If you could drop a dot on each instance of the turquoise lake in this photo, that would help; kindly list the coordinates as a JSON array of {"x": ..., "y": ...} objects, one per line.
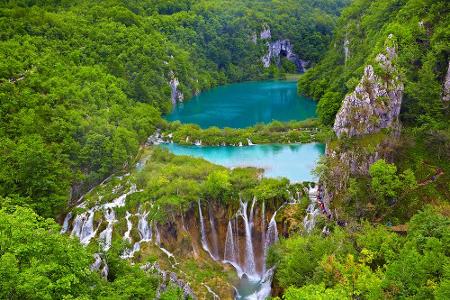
[
  {"x": 245, "y": 104},
  {"x": 294, "y": 161}
]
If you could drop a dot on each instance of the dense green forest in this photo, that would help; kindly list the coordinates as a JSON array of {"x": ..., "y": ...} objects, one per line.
[{"x": 83, "y": 84}]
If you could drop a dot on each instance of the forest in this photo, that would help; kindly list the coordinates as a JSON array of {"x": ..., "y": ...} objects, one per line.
[{"x": 84, "y": 84}]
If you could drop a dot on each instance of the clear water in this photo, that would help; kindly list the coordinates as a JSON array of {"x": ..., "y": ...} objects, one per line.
[
  {"x": 294, "y": 161},
  {"x": 245, "y": 104}
]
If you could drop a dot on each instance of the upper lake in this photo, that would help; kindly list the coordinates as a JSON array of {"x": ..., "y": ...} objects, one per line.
[{"x": 245, "y": 104}]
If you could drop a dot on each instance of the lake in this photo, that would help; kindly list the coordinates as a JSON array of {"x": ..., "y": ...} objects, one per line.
[
  {"x": 245, "y": 104},
  {"x": 293, "y": 161}
]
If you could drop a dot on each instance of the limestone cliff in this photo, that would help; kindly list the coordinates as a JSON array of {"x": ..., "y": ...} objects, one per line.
[
  {"x": 446, "y": 88},
  {"x": 367, "y": 124},
  {"x": 280, "y": 48},
  {"x": 375, "y": 102},
  {"x": 175, "y": 94}
]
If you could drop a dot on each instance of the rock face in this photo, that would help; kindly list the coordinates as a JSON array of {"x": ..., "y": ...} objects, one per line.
[
  {"x": 374, "y": 105},
  {"x": 446, "y": 88},
  {"x": 175, "y": 95},
  {"x": 265, "y": 33},
  {"x": 375, "y": 102},
  {"x": 346, "y": 49},
  {"x": 277, "y": 49},
  {"x": 280, "y": 48}
]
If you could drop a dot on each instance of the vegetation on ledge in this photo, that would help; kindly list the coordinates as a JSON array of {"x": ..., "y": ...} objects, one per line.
[{"x": 276, "y": 132}]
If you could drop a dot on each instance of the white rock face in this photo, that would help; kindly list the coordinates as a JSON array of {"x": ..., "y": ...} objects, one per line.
[
  {"x": 446, "y": 94},
  {"x": 346, "y": 49},
  {"x": 175, "y": 94},
  {"x": 375, "y": 102},
  {"x": 265, "y": 33},
  {"x": 281, "y": 48}
]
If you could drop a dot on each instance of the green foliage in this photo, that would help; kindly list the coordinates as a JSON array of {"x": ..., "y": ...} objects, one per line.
[
  {"x": 217, "y": 185},
  {"x": 306, "y": 131},
  {"x": 421, "y": 29},
  {"x": 38, "y": 261},
  {"x": 385, "y": 182},
  {"x": 379, "y": 265},
  {"x": 83, "y": 83}
]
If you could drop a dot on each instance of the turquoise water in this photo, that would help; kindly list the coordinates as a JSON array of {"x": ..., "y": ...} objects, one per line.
[
  {"x": 245, "y": 104},
  {"x": 294, "y": 161}
]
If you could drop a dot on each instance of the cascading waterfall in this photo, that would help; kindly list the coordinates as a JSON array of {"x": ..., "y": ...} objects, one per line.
[
  {"x": 78, "y": 224},
  {"x": 129, "y": 253},
  {"x": 127, "y": 236},
  {"x": 65, "y": 226},
  {"x": 271, "y": 235},
  {"x": 214, "y": 239},
  {"x": 106, "y": 235},
  {"x": 250, "y": 268},
  {"x": 97, "y": 262},
  {"x": 311, "y": 211},
  {"x": 231, "y": 252},
  {"x": 145, "y": 231},
  {"x": 263, "y": 226},
  {"x": 87, "y": 230},
  {"x": 203, "y": 239}
]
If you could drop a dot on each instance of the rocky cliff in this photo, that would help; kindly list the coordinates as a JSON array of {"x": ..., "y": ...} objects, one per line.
[
  {"x": 375, "y": 103},
  {"x": 175, "y": 94},
  {"x": 367, "y": 124},
  {"x": 446, "y": 88},
  {"x": 277, "y": 49}
]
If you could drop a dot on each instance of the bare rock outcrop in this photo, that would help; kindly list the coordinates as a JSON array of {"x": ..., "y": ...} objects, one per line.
[
  {"x": 375, "y": 103},
  {"x": 446, "y": 87},
  {"x": 367, "y": 124},
  {"x": 175, "y": 94}
]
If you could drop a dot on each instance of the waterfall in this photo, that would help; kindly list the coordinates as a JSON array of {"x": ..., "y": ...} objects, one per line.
[
  {"x": 129, "y": 253},
  {"x": 87, "y": 230},
  {"x": 249, "y": 142},
  {"x": 311, "y": 211},
  {"x": 65, "y": 226},
  {"x": 127, "y": 236},
  {"x": 271, "y": 235},
  {"x": 215, "y": 241},
  {"x": 145, "y": 231},
  {"x": 266, "y": 286},
  {"x": 202, "y": 231},
  {"x": 105, "y": 271},
  {"x": 96, "y": 264},
  {"x": 263, "y": 225},
  {"x": 78, "y": 224},
  {"x": 229, "y": 253},
  {"x": 236, "y": 241},
  {"x": 251, "y": 217},
  {"x": 250, "y": 268},
  {"x": 106, "y": 235}
]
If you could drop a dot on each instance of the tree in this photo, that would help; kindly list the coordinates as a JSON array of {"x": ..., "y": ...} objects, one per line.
[
  {"x": 217, "y": 185},
  {"x": 385, "y": 182}
]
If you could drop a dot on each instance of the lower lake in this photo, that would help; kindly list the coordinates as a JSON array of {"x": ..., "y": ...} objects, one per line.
[{"x": 293, "y": 161}]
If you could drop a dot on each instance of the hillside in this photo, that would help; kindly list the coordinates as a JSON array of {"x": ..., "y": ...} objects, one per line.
[{"x": 95, "y": 203}]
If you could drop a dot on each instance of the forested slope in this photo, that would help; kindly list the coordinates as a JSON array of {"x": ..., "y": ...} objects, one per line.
[
  {"x": 83, "y": 83},
  {"x": 389, "y": 181},
  {"x": 421, "y": 29}
]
